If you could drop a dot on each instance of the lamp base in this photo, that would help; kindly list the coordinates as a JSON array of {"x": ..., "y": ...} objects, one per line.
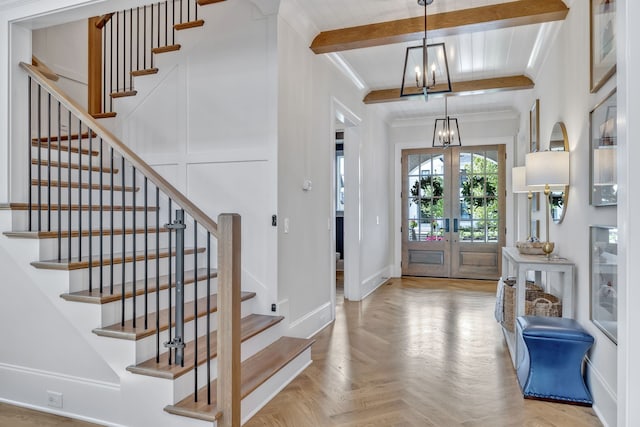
[{"x": 547, "y": 248}]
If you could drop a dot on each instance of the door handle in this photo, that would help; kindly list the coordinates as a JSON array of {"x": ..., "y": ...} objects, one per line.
[
  {"x": 446, "y": 225},
  {"x": 455, "y": 225}
]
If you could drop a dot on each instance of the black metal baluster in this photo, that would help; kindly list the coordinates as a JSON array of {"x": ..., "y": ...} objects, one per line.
[
  {"x": 166, "y": 23},
  {"x": 146, "y": 254},
  {"x": 159, "y": 31},
  {"x": 124, "y": 228},
  {"x": 111, "y": 189},
  {"x": 104, "y": 68},
  {"x": 170, "y": 278},
  {"x": 188, "y": 10},
  {"x": 90, "y": 210},
  {"x": 144, "y": 39},
  {"x": 135, "y": 255},
  {"x": 158, "y": 275},
  {"x": 131, "y": 49},
  {"x": 151, "y": 34},
  {"x": 30, "y": 133},
  {"x": 39, "y": 148},
  {"x": 107, "y": 93},
  {"x": 181, "y": 21},
  {"x": 60, "y": 180},
  {"x": 117, "y": 54},
  {"x": 49, "y": 160},
  {"x": 208, "y": 318},
  {"x": 137, "y": 38},
  {"x": 80, "y": 192},
  {"x": 195, "y": 307},
  {"x": 101, "y": 231},
  {"x": 173, "y": 21},
  {"x": 69, "y": 210},
  {"x": 124, "y": 51}
]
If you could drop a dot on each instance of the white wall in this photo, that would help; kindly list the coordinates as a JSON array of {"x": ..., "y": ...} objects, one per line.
[
  {"x": 207, "y": 122},
  {"x": 564, "y": 96},
  {"x": 311, "y": 90},
  {"x": 64, "y": 49}
]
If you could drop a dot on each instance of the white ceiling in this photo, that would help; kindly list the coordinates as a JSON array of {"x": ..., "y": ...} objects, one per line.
[{"x": 479, "y": 55}]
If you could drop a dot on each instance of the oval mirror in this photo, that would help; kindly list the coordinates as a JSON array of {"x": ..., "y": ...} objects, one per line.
[{"x": 559, "y": 196}]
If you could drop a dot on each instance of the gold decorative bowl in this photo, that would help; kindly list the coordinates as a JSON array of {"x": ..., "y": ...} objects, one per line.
[{"x": 530, "y": 248}]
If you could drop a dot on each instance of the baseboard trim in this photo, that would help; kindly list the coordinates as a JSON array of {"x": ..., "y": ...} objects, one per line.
[
  {"x": 311, "y": 323},
  {"x": 84, "y": 398},
  {"x": 373, "y": 282},
  {"x": 605, "y": 402},
  {"x": 59, "y": 376}
]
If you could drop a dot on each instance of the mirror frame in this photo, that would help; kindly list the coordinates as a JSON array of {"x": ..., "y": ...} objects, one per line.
[{"x": 565, "y": 192}]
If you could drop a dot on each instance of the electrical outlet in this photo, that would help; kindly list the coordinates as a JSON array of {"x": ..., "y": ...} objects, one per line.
[{"x": 54, "y": 399}]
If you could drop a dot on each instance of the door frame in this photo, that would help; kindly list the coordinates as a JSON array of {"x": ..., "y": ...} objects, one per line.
[
  {"x": 353, "y": 210},
  {"x": 508, "y": 141}
]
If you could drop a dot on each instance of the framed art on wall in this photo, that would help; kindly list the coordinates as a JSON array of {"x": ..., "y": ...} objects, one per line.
[
  {"x": 604, "y": 279},
  {"x": 603, "y": 42},
  {"x": 603, "y": 152}
]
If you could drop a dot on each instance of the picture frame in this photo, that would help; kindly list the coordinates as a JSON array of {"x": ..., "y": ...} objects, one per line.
[
  {"x": 603, "y": 279},
  {"x": 534, "y": 144},
  {"x": 602, "y": 20},
  {"x": 603, "y": 153}
]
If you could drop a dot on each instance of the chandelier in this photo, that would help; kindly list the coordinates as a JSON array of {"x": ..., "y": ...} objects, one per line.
[
  {"x": 426, "y": 69},
  {"x": 446, "y": 132}
]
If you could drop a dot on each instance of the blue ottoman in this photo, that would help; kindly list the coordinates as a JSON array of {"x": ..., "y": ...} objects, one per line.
[{"x": 551, "y": 364}]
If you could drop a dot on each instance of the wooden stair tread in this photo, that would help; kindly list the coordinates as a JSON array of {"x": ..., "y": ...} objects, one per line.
[
  {"x": 85, "y": 185},
  {"x": 107, "y": 115},
  {"x": 124, "y": 94},
  {"x": 95, "y": 297},
  {"x": 164, "y": 49},
  {"x": 65, "y": 264},
  {"x": 64, "y": 165},
  {"x": 145, "y": 72},
  {"x": 74, "y": 233},
  {"x": 206, "y": 2},
  {"x": 44, "y": 143},
  {"x": 128, "y": 332},
  {"x": 65, "y": 207},
  {"x": 255, "y": 371},
  {"x": 190, "y": 24},
  {"x": 251, "y": 326}
]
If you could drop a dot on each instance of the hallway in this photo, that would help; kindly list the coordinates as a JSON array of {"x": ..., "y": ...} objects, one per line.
[{"x": 418, "y": 352}]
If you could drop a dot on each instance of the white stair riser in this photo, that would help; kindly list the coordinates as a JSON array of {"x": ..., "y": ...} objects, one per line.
[
  {"x": 51, "y": 193},
  {"x": 20, "y": 219},
  {"x": 146, "y": 347},
  {"x": 111, "y": 312},
  {"x": 49, "y": 247},
  {"x": 79, "y": 279}
]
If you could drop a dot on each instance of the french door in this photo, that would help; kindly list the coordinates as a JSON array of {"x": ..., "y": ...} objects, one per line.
[{"x": 454, "y": 211}]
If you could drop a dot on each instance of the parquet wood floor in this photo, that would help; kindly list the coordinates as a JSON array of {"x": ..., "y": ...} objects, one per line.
[{"x": 417, "y": 352}]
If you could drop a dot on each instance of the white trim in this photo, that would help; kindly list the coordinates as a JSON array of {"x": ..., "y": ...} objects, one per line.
[
  {"x": 605, "y": 402},
  {"x": 373, "y": 282},
  {"x": 58, "y": 376},
  {"x": 59, "y": 413},
  {"x": 312, "y": 322}
]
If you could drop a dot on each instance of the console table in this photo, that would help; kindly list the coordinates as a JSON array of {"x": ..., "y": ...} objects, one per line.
[{"x": 517, "y": 265}]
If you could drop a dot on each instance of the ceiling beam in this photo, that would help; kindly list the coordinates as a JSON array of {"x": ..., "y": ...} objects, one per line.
[
  {"x": 503, "y": 15},
  {"x": 497, "y": 84}
]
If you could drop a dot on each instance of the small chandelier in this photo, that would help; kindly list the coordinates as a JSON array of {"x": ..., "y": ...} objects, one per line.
[
  {"x": 446, "y": 132},
  {"x": 426, "y": 69}
]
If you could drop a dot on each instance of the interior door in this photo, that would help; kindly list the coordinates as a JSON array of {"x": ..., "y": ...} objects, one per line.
[{"x": 453, "y": 209}]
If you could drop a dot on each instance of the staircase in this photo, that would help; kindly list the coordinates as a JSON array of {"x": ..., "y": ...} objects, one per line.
[{"x": 160, "y": 278}]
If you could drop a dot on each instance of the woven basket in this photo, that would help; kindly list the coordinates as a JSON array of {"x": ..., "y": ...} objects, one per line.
[{"x": 537, "y": 303}]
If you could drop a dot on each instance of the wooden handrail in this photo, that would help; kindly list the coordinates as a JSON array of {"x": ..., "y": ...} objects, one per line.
[
  {"x": 101, "y": 21},
  {"x": 111, "y": 140},
  {"x": 46, "y": 71}
]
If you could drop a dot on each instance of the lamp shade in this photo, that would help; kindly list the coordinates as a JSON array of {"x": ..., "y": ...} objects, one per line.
[
  {"x": 547, "y": 168},
  {"x": 518, "y": 180}
]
